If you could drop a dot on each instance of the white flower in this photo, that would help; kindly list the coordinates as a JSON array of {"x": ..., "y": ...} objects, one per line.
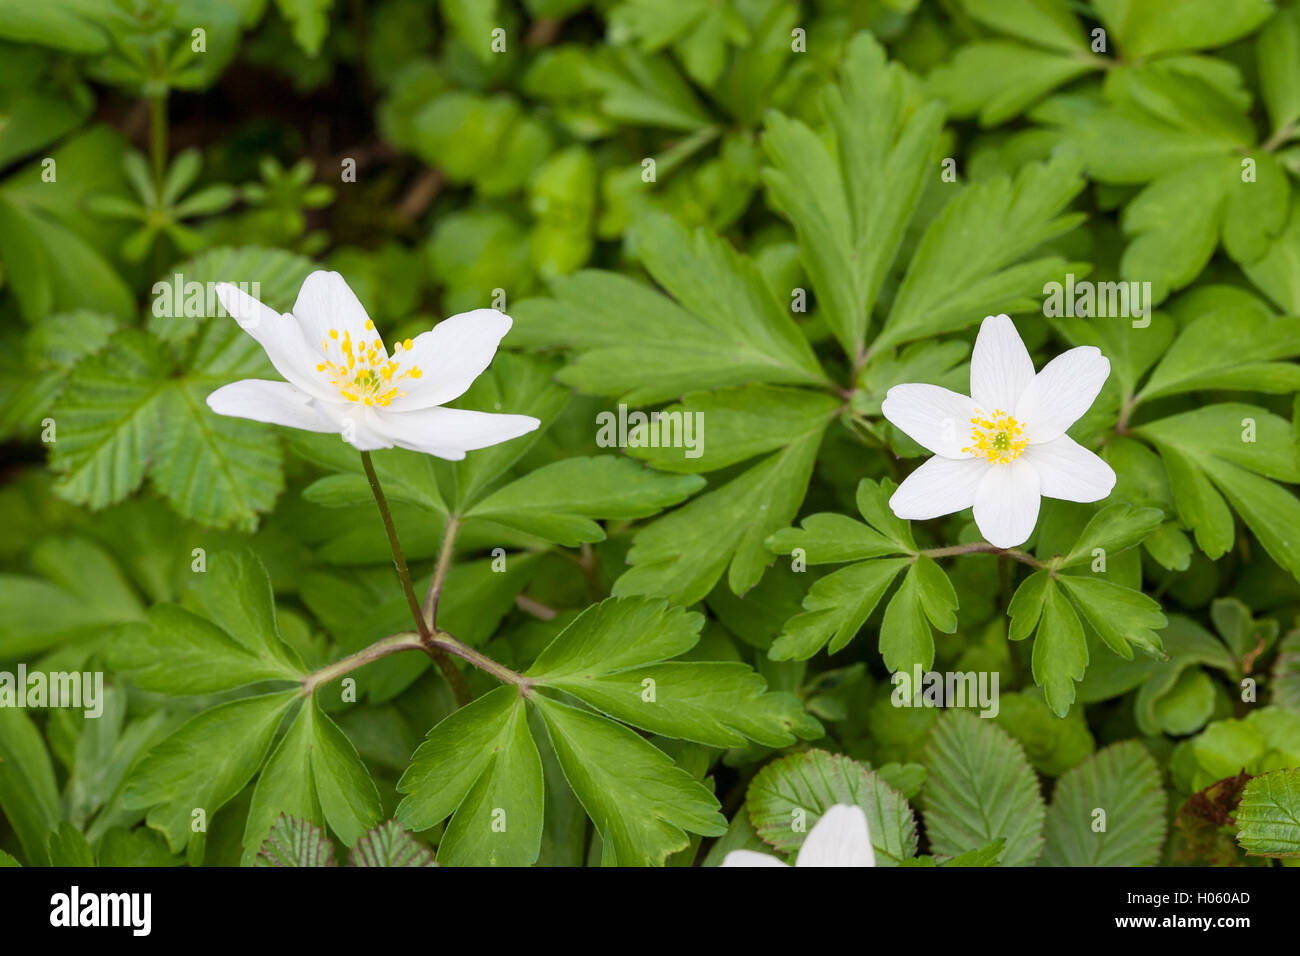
[
  {"x": 1003, "y": 447},
  {"x": 840, "y": 838},
  {"x": 340, "y": 378}
]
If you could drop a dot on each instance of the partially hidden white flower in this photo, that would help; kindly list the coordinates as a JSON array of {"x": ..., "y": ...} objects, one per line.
[
  {"x": 840, "y": 838},
  {"x": 1002, "y": 448},
  {"x": 340, "y": 377}
]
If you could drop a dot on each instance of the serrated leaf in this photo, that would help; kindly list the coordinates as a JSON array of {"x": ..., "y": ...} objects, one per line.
[
  {"x": 1268, "y": 816},
  {"x": 389, "y": 845},
  {"x": 295, "y": 842},
  {"x": 1123, "y": 782},
  {"x": 979, "y": 787},
  {"x": 788, "y": 796}
]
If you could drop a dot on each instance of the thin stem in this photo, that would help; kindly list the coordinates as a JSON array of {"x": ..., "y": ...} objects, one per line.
[
  {"x": 158, "y": 138},
  {"x": 1281, "y": 136},
  {"x": 983, "y": 547},
  {"x": 446, "y": 642},
  {"x": 454, "y": 677},
  {"x": 537, "y": 609},
  {"x": 405, "y": 641},
  {"x": 430, "y": 610},
  {"x": 403, "y": 573}
]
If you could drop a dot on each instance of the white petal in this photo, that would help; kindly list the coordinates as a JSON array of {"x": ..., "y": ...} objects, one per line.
[
  {"x": 750, "y": 858},
  {"x": 449, "y": 432},
  {"x": 1060, "y": 394},
  {"x": 840, "y": 838},
  {"x": 357, "y": 424},
  {"x": 939, "y": 487},
  {"x": 276, "y": 402},
  {"x": 280, "y": 337},
  {"x": 933, "y": 417},
  {"x": 450, "y": 356},
  {"x": 325, "y": 303},
  {"x": 1069, "y": 471},
  {"x": 1006, "y": 503},
  {"x": 1000, "y": 366}
]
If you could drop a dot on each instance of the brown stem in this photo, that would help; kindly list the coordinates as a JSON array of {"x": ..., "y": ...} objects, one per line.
[
  {"x": 537, "y": 609},
  {"x": 454, "y": 677},
  {"x": 445, "y": 552},
  {"x": 406, "y": 641},
  {"x": 446, "y": 642},
  {"x": 983, "y": 547}
]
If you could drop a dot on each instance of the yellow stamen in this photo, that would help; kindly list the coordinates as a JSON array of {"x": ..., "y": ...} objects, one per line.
[
  {"x": 999, "y": 439},
  {"x": 363, "y": 372}
]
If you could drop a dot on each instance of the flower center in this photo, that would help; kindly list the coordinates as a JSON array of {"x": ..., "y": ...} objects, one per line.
[
  {"x": 364, "y": 372},
  {"x": 1000, "y": 439}
]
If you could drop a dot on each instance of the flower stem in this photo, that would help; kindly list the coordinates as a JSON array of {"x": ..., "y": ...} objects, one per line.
[
  {"x": 158, "y": 139},
  {"x": 449, "y": 671},
  {"x": 983, "y": 547},
  {"x": 430, "y": 611}
]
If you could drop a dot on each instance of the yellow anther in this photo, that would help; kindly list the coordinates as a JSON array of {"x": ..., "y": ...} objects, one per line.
[{"x": 997, "y": 439}]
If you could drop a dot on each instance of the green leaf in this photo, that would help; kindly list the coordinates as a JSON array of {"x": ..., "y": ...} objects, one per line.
[
  {"x": 1144, "y": 27},
  {"x": 850, "y": 203},
  {"x": 1026, "y": 607},
  {"x": 609, "y": 657},
  {"x": 81, "y": 593},
  {"x": 1277, "y": 50},
  {"x": 725, "y": 326},
  {"x": 107, "y": 416},
  {"x": 681, "y": 555},
  {"x": 999, "y": 80},
  {"x": 1268, "y": 816},
  {"x": 836, "y": 607},
  {"x": 295, "y": 842},
  {"x": 973, "y": 258},
  {"x": 389, "y": 845},
  {"x": 216, "y": 470},
  {"x": 558, "y": 501},
  {"x": 499, "y": 823},
  {"x": 644, "y": 90},
  {"x": 905, "y": 638},
  {"x": 1113, "y": 529},
  {"x": 615, "y": 635},
  {"x": 78, "y": 26},
  {"x": 1229, "y": 349},
  {"x": 204, "y": 763},
  {"x": 1120, "y": 615},
  {"x": 29, "y": 794},
  {"x": 1237, "y": 448},
  {"x": 235, "y": 595},
  {"x": 641, "y": 803},
  {"x": 68, "y": 847},
  {"x": 788, "y": 796},
  {"x": 1060, "y": 651},
  {"x": 481, "y": 765},
  {"x": 1123, "y": 782},
  {"x": 742, "y": 422},
  {"x": 978, "y": 788},
  {"x": 180, "y": 653}
]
